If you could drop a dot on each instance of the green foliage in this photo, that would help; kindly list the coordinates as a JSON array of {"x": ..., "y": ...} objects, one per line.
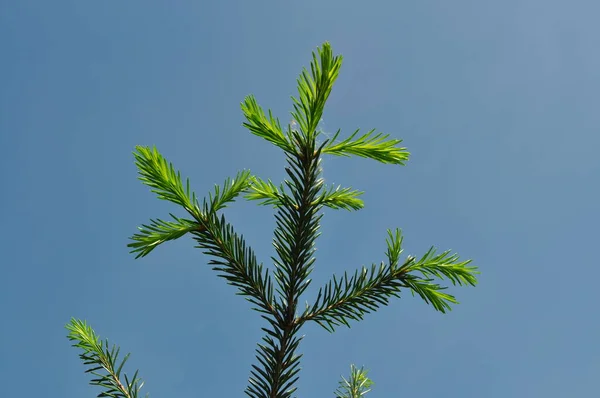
[
  {"x": 98, "y": 355},
  {"x": 165, "y": 182},
  {"x": 235, "y": 262},
  {"x": 158, "y": 232},
  {"x": 340, "y": 198},
  {"x": 335, "y": 197},
  {"x": 314, "y": 89},
  {"x": 357, "y": 386},
  {"x": 266, "y": 192},
  {"x": 267, "y": 128},
  {"x": 444, "y": 265},
  {"x": 371, "y": 146},
  {"x": 298, "y": 202}
]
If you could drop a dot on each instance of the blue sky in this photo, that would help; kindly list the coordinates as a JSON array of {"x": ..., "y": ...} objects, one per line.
[{"x": 497, "y": 102}]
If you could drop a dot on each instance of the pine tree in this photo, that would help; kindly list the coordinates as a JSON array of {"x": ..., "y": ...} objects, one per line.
[{"x": 298, "y": 203}]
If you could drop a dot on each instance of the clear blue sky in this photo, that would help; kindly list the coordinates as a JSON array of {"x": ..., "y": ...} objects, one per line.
[{"x": 497, "y": 102}]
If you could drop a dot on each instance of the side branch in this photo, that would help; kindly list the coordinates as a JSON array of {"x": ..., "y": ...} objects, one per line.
[
  {"x": 236, "y": 262},
  {"x": 102, "y": 362},
  {"x": 350, "y": 298}
]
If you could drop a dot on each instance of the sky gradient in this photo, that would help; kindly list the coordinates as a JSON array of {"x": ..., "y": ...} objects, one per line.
[{"x": 496, "y": 101}]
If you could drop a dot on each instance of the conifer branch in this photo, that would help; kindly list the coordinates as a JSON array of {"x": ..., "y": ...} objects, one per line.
[
  {"x": 235, "y": 261},
  {"x": 267, "y": 128},
  {"x": 442, "y": 266},
  {"x": 97, "y": 354},
  {"x": 158, "y": 232},
  {"x": 314, "y": 89},
  {"x": 369, "y": 145},
  {"x": 165, "y": 181},
  {"x": 350, "y": 298},
  {"x": 266, "y": 193},
  {"x": 340, "y": 198},
  {"x": 358, "y": 385}
]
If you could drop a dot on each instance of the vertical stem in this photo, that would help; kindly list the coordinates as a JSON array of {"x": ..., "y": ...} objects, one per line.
[{"x": 304, "y": 170}]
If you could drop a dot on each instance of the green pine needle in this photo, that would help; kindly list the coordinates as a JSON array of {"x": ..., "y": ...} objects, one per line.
[
  {"x": 351, "y": 297},
  {"x": 266, "y": 193},
  {"x": 358, "y": 385},
  {"x": 340, "y": 198},
  {"x": 230, "y": 190},
  {"x": 314, "y": 90},
  {"x": 159, "y": 231},
  {"x": 164, "y": 180},
  {"x": 369, "y": 145},
  {"x": 98, "y": 355},
  {"x": 267, "y": 128}
]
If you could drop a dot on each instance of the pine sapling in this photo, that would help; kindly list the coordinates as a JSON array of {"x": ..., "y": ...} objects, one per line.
[{"x": 298, "y": 203}]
